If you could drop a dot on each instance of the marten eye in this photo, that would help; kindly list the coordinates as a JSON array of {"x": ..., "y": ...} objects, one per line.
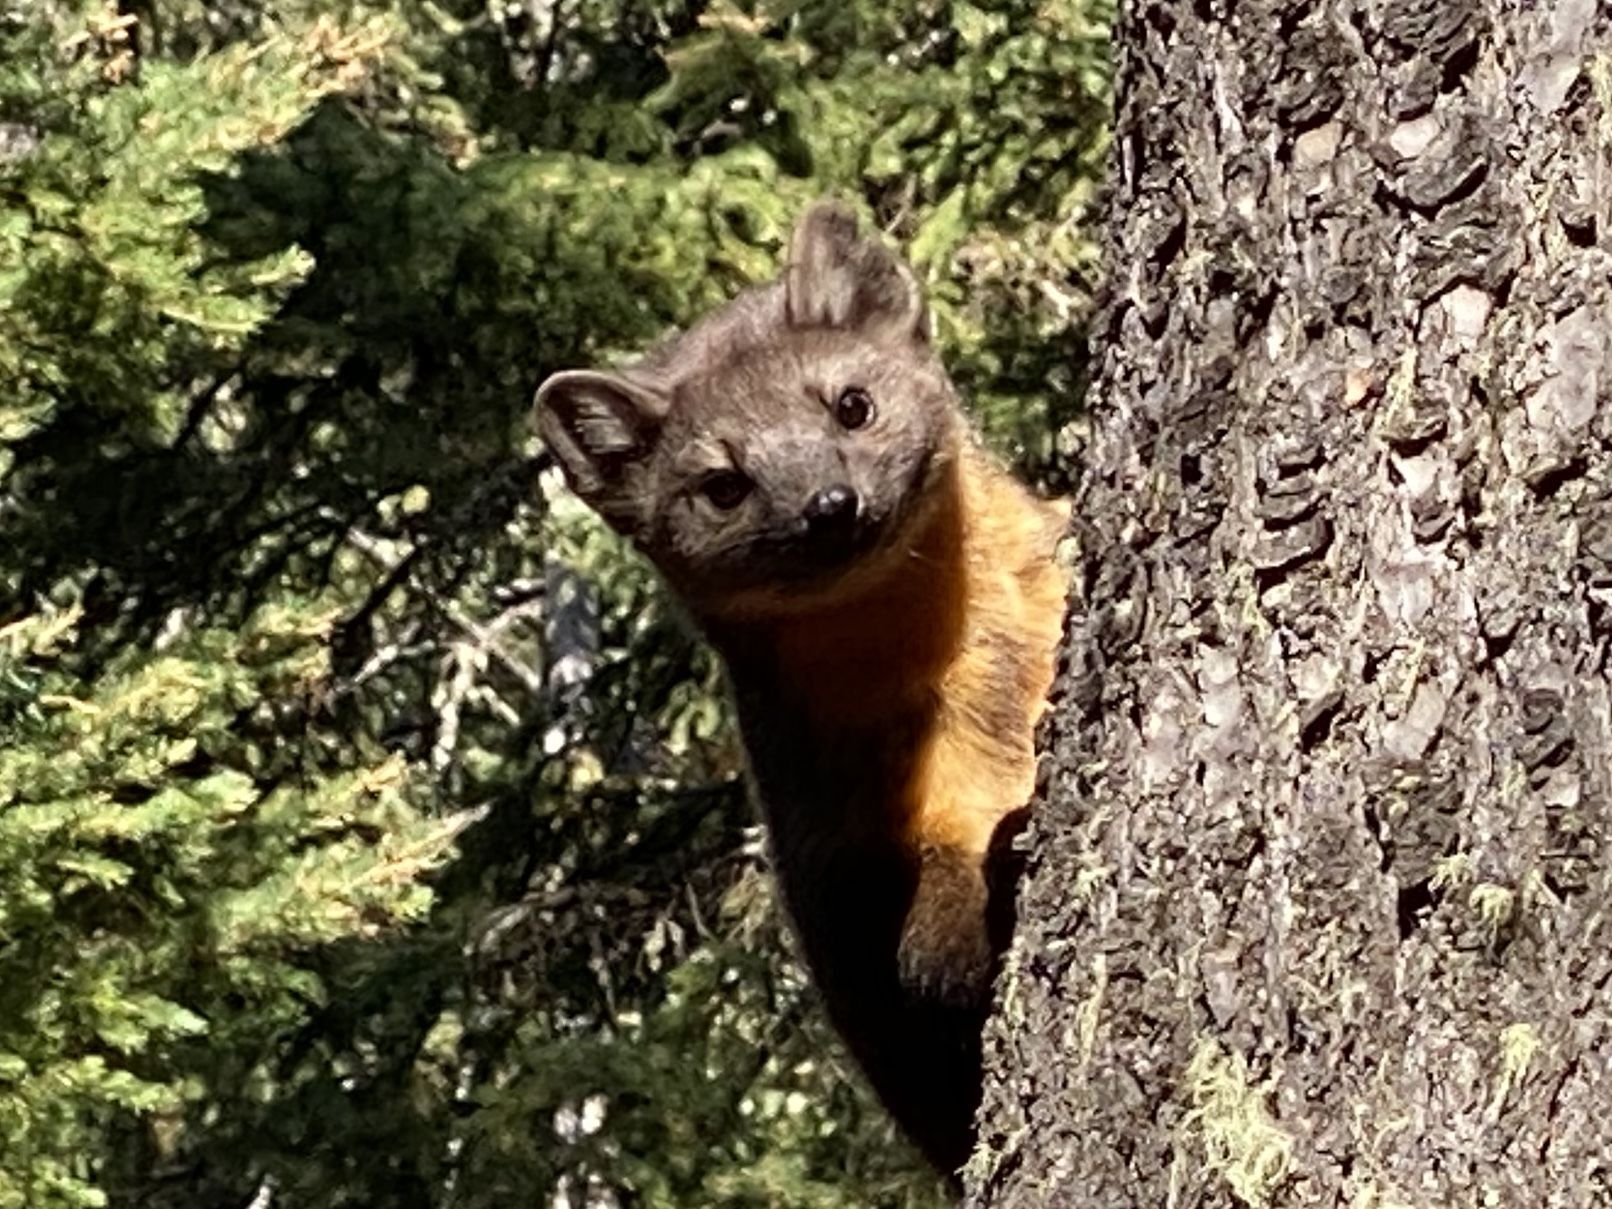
[
  {"x": 853, "y": 408},
  {"x": 726, "y": 489}
]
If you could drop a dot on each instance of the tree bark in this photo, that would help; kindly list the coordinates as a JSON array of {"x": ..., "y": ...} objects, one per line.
[{"x": 1317, "y": 904}]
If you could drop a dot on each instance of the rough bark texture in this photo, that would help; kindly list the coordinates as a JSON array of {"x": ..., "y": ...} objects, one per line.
[{"x": 1318, "y": 909}]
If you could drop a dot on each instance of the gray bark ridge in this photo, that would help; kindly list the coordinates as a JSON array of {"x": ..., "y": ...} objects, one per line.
[{"x": 1319, "y": 886}]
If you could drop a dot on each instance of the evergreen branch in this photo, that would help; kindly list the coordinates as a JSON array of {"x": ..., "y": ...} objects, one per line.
[{"x": 481, "y": 637}]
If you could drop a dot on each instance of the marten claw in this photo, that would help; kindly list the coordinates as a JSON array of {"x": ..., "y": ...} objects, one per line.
[
  {"x": 945, "y": 952},
  {"x": 957, "y": 973}
]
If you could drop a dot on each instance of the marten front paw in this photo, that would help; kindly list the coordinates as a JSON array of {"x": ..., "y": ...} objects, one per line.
[{"x": 945, "y": 951}]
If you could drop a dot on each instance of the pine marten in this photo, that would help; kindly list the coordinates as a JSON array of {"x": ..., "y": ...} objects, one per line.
[{"x": 887, "y": 604}]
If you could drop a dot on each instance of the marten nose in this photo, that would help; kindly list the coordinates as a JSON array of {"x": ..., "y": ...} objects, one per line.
[{"x": 832, "y": 509}]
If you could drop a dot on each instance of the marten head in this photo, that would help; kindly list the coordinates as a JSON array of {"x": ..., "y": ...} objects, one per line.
[{"x": 785, "y": 451}]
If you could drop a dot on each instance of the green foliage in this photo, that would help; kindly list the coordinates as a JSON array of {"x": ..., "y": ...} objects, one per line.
[
  {"x": 160, "y": 889},
  {"x": 370, "y": 824}
]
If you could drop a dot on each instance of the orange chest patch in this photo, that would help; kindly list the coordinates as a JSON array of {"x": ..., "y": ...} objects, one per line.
[{"x": 962, "y": 639}]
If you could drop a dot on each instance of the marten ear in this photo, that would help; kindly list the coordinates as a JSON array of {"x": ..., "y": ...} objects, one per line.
[
  {"x": 835, "y": 278},
  {"x": 601, "y": 427}
]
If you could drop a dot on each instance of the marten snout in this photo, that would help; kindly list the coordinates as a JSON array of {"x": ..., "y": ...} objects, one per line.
[
  {"x": 833, "y": 524},
  {"x": 832, "y": 511}
]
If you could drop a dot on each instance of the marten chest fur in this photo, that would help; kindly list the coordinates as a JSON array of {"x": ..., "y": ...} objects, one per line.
[{"x": 891, "y": 740}]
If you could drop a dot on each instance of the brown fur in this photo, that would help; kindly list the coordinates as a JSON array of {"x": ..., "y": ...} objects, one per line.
[{"x": 889, "y": 697}]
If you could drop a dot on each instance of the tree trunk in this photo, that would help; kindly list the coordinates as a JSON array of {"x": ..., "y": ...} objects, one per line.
[{"x": 1317, "y": 909}]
